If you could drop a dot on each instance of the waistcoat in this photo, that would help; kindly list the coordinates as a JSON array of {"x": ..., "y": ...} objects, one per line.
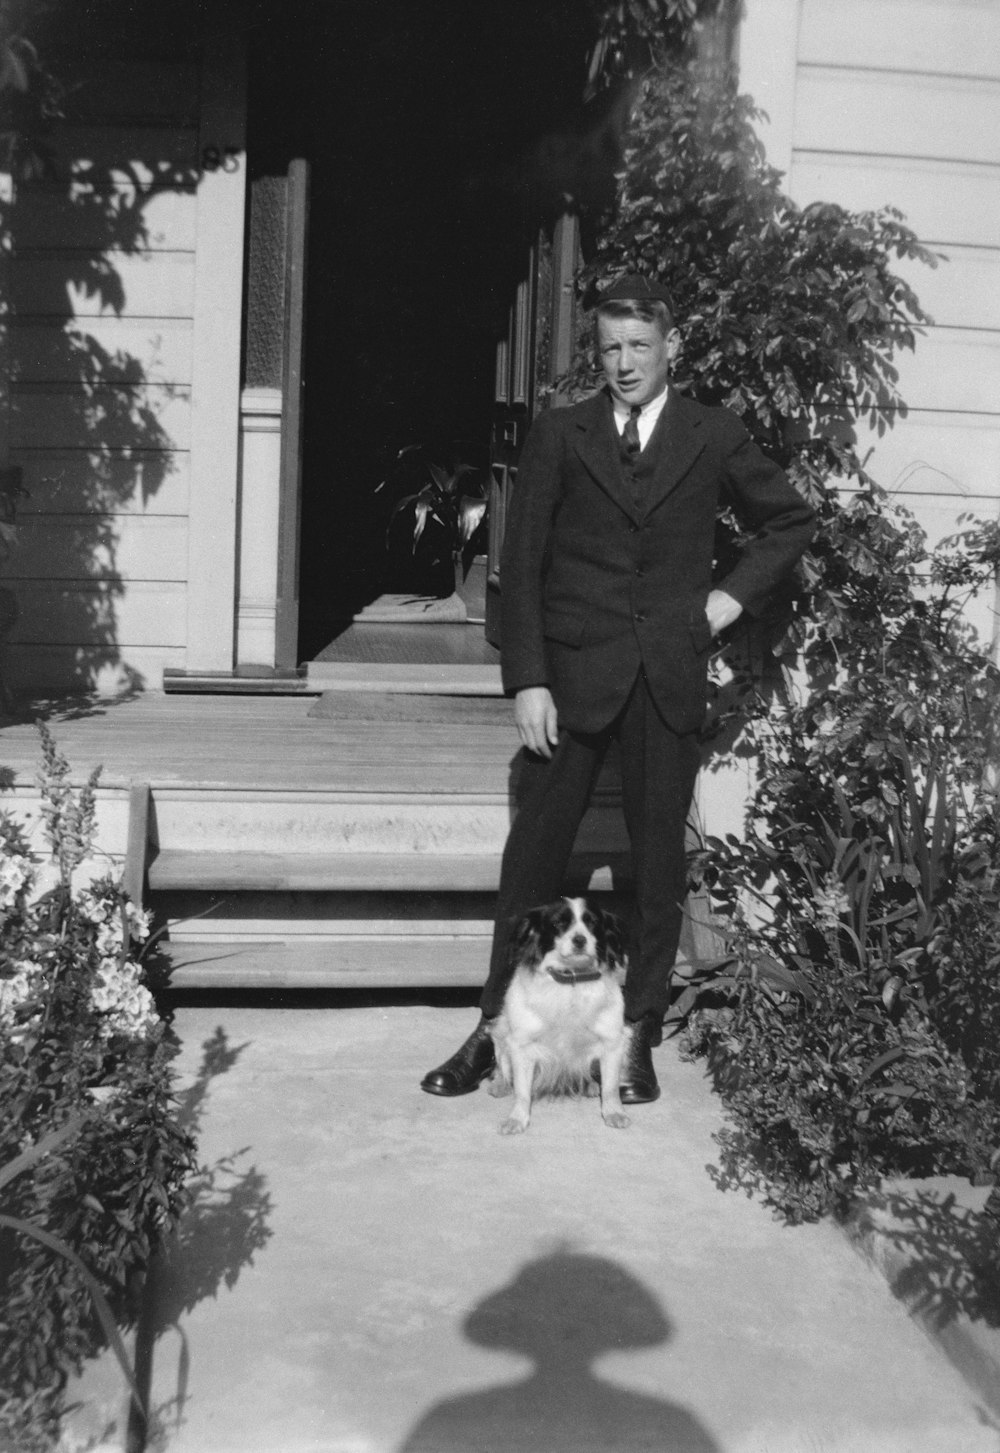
[{"x": 637, "y": 472}]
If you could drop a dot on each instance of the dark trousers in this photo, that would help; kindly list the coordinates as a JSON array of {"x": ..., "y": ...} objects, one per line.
[{"x": 659, "y": 769}]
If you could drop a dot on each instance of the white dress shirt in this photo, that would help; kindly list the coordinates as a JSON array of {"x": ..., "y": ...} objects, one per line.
[{"x": 647, "y": 418}]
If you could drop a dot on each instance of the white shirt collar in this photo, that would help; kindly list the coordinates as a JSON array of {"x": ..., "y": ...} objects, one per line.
[
  {"x": 648, "y": 415},
  {"x": 651, "y": 410}
]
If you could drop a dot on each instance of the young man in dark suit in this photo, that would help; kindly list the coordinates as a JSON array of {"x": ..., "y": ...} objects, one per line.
[{"x": 608, "y": 616}]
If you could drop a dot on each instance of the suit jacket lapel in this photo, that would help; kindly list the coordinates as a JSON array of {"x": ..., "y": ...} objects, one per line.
[
  {"x": 681, "y": 441},
  {"x": 597, "y": 446}
]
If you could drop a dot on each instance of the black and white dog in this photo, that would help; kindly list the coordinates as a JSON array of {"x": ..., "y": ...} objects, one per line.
[{"x": 563, "y": 1011}]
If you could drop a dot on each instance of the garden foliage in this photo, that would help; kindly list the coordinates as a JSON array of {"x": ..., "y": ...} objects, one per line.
[
  {"x": 854, "y": 1025},
  {"x": 92, "y": 1161}
]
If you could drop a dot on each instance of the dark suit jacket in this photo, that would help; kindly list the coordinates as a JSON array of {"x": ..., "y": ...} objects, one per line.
[{"x": 593, "y": 586}]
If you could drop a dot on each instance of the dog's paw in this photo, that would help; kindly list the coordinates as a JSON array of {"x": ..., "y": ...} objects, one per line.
[
  {"x": 513, "y": 1125},
  {"x": 617, "y": 1120},
  {"x": 498, "y": 1087}
]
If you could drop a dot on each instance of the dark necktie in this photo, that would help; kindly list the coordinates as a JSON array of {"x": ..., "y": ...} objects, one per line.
[{"x": 631, "y": 443}]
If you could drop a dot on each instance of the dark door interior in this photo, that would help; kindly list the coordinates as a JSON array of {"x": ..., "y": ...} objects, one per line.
[{"x": 439, "y": 138}]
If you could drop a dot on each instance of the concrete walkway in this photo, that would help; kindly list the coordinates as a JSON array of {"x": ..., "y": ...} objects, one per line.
[{"x": 368, "y": 1269}]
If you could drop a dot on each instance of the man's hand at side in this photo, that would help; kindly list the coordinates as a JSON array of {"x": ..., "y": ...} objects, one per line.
[
  {"x": 536, "y": 720},
  {"x": 721, "y": 610}
]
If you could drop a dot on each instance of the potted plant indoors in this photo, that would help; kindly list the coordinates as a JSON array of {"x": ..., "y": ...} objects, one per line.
[{"x": 437, "y": 521}]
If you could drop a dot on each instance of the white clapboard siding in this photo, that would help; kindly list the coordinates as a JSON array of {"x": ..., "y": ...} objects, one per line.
[
  {"x": 891, "y": 113},
  {"x": 94, "y": 613},
  {"x": 897, "y": 102},
  {"x": 943, "y": 203},
  {"x": 64, "y": 481},
  {"x": 102, "y": 283},
  {"x": 962, "y": 291},
  {"x": 948, "y": 454},
  {"x": 47, "y": 351},
  {"x": 952, "y": 369},
  {"x": 108, "y": 416},
  {"x": 82, "y": 284},
  {"x": 957, "y": 37},
  {"x": 107, "y": 669},
  {"x": 141, "y": 155},
  {"x": 942, "y": 516},
  {"x": 121, "y": 547},
  {"x": 164, "y": 218}
]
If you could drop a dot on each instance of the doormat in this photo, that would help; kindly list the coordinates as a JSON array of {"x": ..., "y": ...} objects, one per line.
[{"x": 395, "y": 706}]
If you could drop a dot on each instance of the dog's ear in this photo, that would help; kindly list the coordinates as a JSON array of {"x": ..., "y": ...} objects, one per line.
[
  {"x": 525, "y": 941},
  {"x": 611, "y": 938}
]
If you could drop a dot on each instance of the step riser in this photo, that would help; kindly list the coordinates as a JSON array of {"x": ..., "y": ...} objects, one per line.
[
  {"x": 433, "y": 961},
  {"x": 208, "y": 823},
  {"x": 359, "y": 964},
  {"x": 279, "y": 917}
]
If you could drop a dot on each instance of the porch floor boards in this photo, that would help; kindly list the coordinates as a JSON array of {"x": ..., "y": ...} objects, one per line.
[
  {"x": 410, "y": 657},
  {"x": 252, "y": 864},
  {"x": 264, "y": 743},
  {"x": 418, "y": 643}
]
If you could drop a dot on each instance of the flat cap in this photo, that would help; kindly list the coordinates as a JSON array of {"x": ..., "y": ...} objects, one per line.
[{"x": 633, "y": 287}]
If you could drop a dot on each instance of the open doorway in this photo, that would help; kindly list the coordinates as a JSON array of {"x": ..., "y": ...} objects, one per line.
[{"x": 438, "y": 138}]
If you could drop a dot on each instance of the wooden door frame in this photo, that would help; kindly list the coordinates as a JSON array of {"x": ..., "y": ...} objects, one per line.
[
  {"x": 290, "y": 499},
  {"x": 215, "y": 374}
]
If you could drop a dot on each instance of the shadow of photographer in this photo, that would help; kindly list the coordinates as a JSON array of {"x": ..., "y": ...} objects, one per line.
[{"x": 563, "y": 1311}]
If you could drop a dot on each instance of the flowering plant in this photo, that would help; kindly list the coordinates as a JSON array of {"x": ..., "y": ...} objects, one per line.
[{"x": 92, "y": 1161}]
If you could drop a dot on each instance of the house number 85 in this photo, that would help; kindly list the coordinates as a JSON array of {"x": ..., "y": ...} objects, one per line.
[{"x": 215, "y": 158}]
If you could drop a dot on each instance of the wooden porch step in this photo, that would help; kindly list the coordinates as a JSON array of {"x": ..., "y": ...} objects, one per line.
[
  {"x": 429, "y": 679},
  {"x": 174, "y": 870},
  {"x": 342, "y": 964}
]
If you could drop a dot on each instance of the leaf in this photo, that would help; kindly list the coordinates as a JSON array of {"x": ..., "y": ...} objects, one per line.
[
  {"x": 41, "y": 1148},
  {"x": 890, "y": 991},
  {"x": 103, "y": 1311},
  {"x": 770, "y": 970},
  {"x": 889, "y": 1057}
]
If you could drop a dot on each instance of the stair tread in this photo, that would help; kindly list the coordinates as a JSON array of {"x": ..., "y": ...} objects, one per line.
[{"x": 174, "y": 869}]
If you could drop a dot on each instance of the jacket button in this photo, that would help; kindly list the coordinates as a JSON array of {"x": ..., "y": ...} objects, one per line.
[
  {"x": 640, "y": 615},
  {"x": 632, "y": 529},
  {"x": 639, "y": 570}
]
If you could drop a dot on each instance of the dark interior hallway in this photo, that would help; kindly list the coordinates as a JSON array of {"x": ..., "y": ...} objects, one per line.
[{"x": 438, "y": 136}]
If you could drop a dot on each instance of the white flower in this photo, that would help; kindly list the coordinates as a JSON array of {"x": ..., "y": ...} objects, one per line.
[
  {"x": 15, "y": 876},
  {"x": 123, "y": 1001},
  {"x": 108, "y": 938},
  {"x": 105, "y": 913},
  {"x": 139, "y": 921},
  {"x": 832, "y": 901},
  {"x": 94, "y": 909},
  {"x": 17, "y": 990}
]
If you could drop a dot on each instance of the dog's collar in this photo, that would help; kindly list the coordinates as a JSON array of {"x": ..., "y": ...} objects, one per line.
[{"x": 574, "y": 976}]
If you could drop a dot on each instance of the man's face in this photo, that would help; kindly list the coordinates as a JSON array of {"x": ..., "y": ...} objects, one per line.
[{"x": 636, "y": 357}]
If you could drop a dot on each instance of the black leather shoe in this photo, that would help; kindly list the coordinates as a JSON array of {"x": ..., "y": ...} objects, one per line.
[
  {"x": 638, "y": 1085},
  {"x": 468, "y": 1066}
]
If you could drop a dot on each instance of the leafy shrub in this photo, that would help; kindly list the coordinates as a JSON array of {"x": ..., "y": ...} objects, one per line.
[
  {"x": 855, "y": 1026},
  {"x": 85, "y": 1110},
  {"x": 863, "y": 1036},
  {"x": 790, "y": 316},
  {"x": 860, "y": 1036}
]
